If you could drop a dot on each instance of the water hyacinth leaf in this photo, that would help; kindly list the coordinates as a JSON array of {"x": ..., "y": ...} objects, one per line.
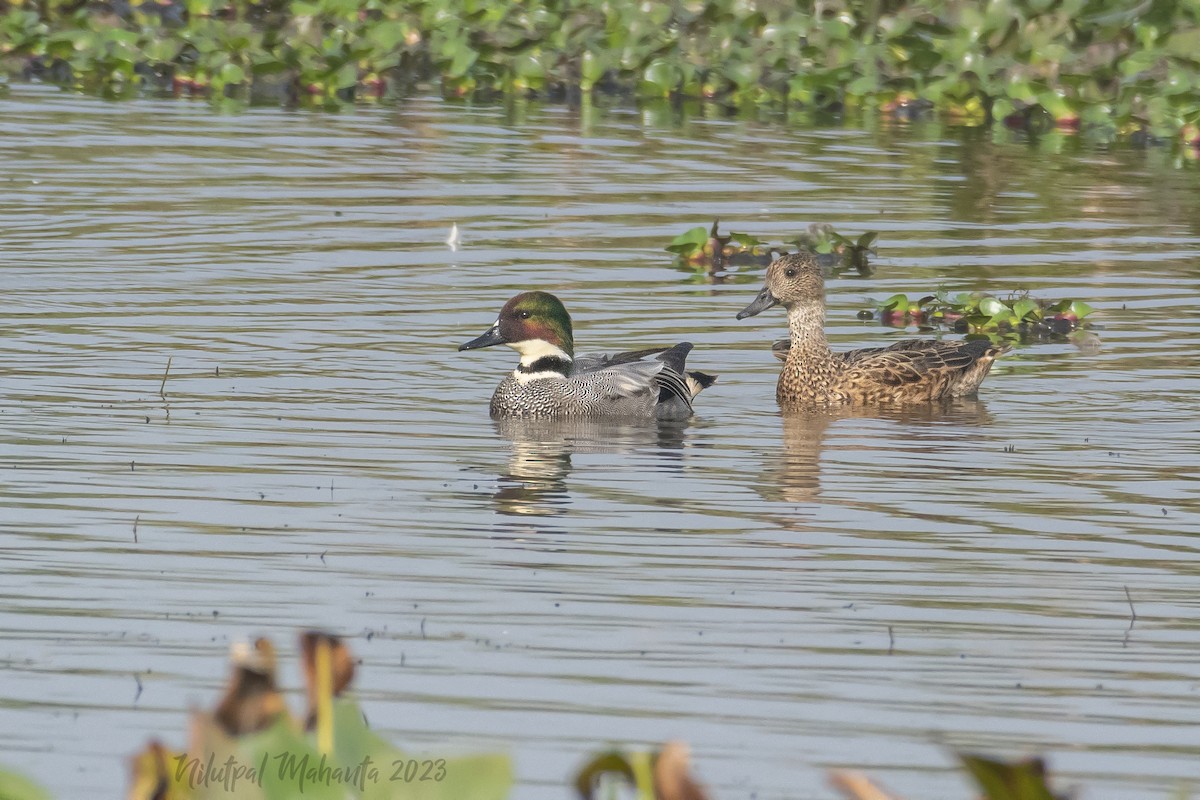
[
  {"x": 387, "y": 35},
  {"x": 990, "y": 306},
  {"x": 867, "y": 239},
  {"x": 528, "y": 66},
  {"x": 268, "y": 65},
  {"x": 18, "y": 787},
  {"x": 999, "y": 780},
  {"x": 746, "y": 240},
  {"x": 591, "y": 68},
  {"x": 353, "y": 740},
  {"x": 347, "y": 76},
  {"x": 896, "y": 301},
  {"x": 1004, "y": 317},
  {"x": 1080, "y": 309},
  {"x": 1002, "y": 108},
  {"x": 476, "y": 777},
  {"x": 292, "y": 763},
  {"x": 232, "y": 73},
  {"x": 464, "y": 58},
  {"x": 426, "y": 776},
  {"x": 689, "y": 241},
  {"x": 1025, "y": 308},
  {"x": 1056, "y": 103},
  {"x": 659, "y": 77}
]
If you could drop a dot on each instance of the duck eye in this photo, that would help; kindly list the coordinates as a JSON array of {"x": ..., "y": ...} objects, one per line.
[
  {"x": 524, "y": 315},
  {"x": 790, "y": 273}
]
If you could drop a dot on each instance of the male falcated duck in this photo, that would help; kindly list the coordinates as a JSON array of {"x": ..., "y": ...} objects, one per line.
[
  {"x": 550, "y": 381},
  {"x": 914, "y": 370}
]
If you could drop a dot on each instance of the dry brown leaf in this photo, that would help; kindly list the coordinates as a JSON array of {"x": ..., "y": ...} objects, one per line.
[
  {"x": 252, "y": 702},
  {"x": 672, "y": 778},
  {"x": 856, "y": 786}
]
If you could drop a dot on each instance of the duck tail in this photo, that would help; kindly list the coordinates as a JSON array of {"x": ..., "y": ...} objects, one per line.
[
  {"x": 677, "y": 386},
  {"x": 675, "y": 358},
  {"x": 697, "y": 382}
]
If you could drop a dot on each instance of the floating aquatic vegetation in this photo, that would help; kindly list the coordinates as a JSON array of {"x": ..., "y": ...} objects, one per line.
[
  {"x": 822, "y": 239},
  {"x": 18, "y": 787},
  {"x": 661, "y": 775},
  {"x": 1020, "y": 315},
  {"x": 707, "y": 248},
  {"x": 1026, "y": 779},
  {"x": 252, "y": 748},
  {"x": 1101, "y": 68},
  {"x": 281, "y": 760}
]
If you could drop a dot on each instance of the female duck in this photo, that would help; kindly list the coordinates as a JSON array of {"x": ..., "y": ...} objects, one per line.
[
  {"x": 550, "y": 381},
  {"x": 914, "y": 370}
]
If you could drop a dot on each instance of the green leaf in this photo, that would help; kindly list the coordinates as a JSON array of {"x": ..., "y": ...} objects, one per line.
[
  {"x": 1020, "y": 780},
  {"x": 354, "y": 742},
  {"x": 1025, "y": 307},
  {"x": 526, "y": 65},
  {"x": 232, "y": 73},
  {"x": 746, "y": 240},
  {"x": 966, "y": 302},
  {"x": 1002, "y": 107},
  {"x": 1080, "y": 309},
  {"x": 591, "y": 68},
  {"x": 896, "y": 301},
  {"x": 1002, "y": 317},
  {"x": 463, "y": 60},
  {"x": 660, "y": 75},
  {"x": 1056, "y": 103},
  {"x": 479, "y": 777},
  {"x": 347, "y": 76},
  {"x": 867, "y": 239},
  {"x": 293, "y": 766},
  {"x": 990, "y": 306},
  {"x": 18, "y": 787},
  {"x": 689, "y": 240}
]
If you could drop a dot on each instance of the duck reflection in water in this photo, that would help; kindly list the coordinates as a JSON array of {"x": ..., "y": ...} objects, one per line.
[
  {"x": 536, "y": 480},
  {"x": 792, "y": 474}
]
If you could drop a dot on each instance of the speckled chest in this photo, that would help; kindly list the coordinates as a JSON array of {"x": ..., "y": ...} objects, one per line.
[
  {"x": 810, "y": 381},
  {"x": 565, "y": 397}
]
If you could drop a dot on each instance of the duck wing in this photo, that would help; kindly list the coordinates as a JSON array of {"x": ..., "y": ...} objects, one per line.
[
  {"x": 629, "y": 374},
  {"x": 914, "y": 360},
  {"x": 598, "y": 361}
]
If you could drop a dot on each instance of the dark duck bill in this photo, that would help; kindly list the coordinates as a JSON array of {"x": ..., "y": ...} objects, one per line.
[
  {"x": 761, "y": 303},
  {"x": 491, "y": 337}
]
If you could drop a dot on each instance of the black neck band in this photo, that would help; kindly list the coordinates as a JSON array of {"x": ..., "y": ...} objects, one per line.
[{"x": 547, "y": 364}]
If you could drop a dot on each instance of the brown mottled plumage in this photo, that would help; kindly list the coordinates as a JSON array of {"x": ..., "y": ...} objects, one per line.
[{"x": 911, "y": 371}]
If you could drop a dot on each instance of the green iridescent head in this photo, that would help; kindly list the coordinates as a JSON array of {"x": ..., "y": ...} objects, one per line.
[{"x": 527, "y": 320}]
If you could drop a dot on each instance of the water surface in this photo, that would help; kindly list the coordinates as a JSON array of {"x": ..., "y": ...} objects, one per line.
[{"x": 785, "y": 594}]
